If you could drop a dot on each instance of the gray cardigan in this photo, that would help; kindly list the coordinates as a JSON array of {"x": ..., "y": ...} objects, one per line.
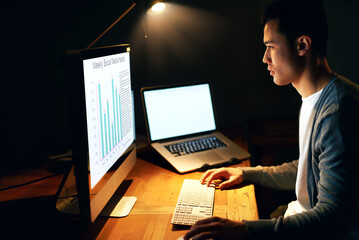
[{"x": 333, "y": 177}]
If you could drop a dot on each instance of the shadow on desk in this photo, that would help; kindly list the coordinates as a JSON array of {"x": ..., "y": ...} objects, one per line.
[
  {"x": 33, "y": 218},
  {"x": 151, "y": 156},
  {"x": 29, "y": 212},
  {"x": 37, "y": 218}
]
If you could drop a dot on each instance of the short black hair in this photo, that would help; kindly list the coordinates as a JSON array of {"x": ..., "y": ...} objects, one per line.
[{"x": 297, "y": 18}]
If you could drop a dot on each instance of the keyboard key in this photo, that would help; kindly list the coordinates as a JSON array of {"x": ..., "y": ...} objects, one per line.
[
  {"x": 194, "y": 203},
  {"x": 196, "y": 145}
]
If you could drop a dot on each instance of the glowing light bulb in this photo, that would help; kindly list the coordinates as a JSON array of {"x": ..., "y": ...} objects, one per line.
[{"x": 158, "y": 7}]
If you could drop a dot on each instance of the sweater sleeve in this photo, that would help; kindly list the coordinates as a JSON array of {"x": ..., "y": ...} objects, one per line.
[
  {"x": 332, "y": 178},
  {"x": 281, "y": 177}
]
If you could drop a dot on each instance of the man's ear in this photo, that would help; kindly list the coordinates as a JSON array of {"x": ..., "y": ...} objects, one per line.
[{"x": 304, "y": 45}]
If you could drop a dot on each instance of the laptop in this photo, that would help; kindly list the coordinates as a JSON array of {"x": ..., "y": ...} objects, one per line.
[{"x": 181, "y": 126}]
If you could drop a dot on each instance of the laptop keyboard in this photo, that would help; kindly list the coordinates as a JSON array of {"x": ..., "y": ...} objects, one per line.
[
  {"x": 196, "y": 145},
  {"x": 195, "y": 202}
]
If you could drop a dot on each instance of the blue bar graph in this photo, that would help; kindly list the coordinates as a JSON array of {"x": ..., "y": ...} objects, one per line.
[
  {"x": 109, "y": 112},
  {"x": 110, "y": 122},
  {"x": 119, "y": 108},
  {"x": 101, "y": 123}
]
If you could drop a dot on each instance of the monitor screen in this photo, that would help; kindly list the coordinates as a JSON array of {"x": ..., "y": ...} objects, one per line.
[
  {"x": 178, "y": 111},
  {"x": 102, "y": 129},
  {"x": 108, "y": 110}
]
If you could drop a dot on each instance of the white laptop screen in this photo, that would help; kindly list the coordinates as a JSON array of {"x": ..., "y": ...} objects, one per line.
[{"x": 179, "y": 111}]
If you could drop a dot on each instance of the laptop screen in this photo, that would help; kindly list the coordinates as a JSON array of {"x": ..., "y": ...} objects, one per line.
[{"x": 179, "y": 111}]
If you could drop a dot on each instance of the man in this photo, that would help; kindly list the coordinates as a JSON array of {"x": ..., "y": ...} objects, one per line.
[{"x": 324, "y": 177}]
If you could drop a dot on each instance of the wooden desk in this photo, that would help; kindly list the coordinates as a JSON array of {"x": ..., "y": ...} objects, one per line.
[
  {"x": 156, "y": 187},
  {"x": 157, "y": 190}
]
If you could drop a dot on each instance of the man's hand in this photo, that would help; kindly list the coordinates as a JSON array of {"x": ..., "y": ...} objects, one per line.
[
  {"x": 217, "y": 228},
  {"x": 231, "y": 177}
]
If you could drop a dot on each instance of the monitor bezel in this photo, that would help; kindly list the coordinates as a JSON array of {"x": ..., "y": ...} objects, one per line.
[
  {"x": 153, "y": 88},
  {"x": 90, "y": 205}
]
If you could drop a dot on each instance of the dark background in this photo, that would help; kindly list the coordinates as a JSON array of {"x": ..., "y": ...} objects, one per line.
[{"x": 198, "y": 40}]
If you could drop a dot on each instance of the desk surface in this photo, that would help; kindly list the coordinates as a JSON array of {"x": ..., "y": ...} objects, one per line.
[
  {"x": 157, "y": 190},
  {"x": 156, "y": 187}
]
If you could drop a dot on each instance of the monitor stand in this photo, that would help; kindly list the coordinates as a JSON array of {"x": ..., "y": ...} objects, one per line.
[
  {"x": 67, "y": 201},
  {"x": 119, "y": 209}
]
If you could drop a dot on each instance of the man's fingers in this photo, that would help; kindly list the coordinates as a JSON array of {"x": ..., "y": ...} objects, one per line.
[
  {"x": 205, "y": 221},
  {"x": 217, "y": 174},
  {"x": 204, "y": 226},
  {"x": 205, "y": 175},
  {"x": 226, "y": 184},
  {"x": 206, "y": 236},
  {"x": 208, "y": 177}
]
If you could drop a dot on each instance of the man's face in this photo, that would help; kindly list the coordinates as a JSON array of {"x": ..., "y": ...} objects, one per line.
[{"x": 281, "y": 60}]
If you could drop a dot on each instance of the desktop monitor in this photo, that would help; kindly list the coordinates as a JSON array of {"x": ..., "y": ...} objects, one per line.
[{"x": 102, "y": 131}]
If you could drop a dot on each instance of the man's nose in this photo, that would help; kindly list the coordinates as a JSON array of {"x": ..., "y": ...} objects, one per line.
[{"x": 264, "y": 59}]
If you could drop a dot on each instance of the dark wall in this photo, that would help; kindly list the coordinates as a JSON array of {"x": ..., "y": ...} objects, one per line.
[{"x": 220, "y": 42}]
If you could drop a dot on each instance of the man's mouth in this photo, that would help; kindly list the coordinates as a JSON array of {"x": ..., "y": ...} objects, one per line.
[{"x": 271, "y": 71}]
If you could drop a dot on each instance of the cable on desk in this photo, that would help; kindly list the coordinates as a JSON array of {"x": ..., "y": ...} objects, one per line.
[{"x": 23, "y": 184}]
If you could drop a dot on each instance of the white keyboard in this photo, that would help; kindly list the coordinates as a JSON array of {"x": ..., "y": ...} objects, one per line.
[{"x": 195, "y": 202}]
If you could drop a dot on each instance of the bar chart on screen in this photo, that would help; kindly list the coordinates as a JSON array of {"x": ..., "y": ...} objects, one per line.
[{"x": 108, "y": 109}]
